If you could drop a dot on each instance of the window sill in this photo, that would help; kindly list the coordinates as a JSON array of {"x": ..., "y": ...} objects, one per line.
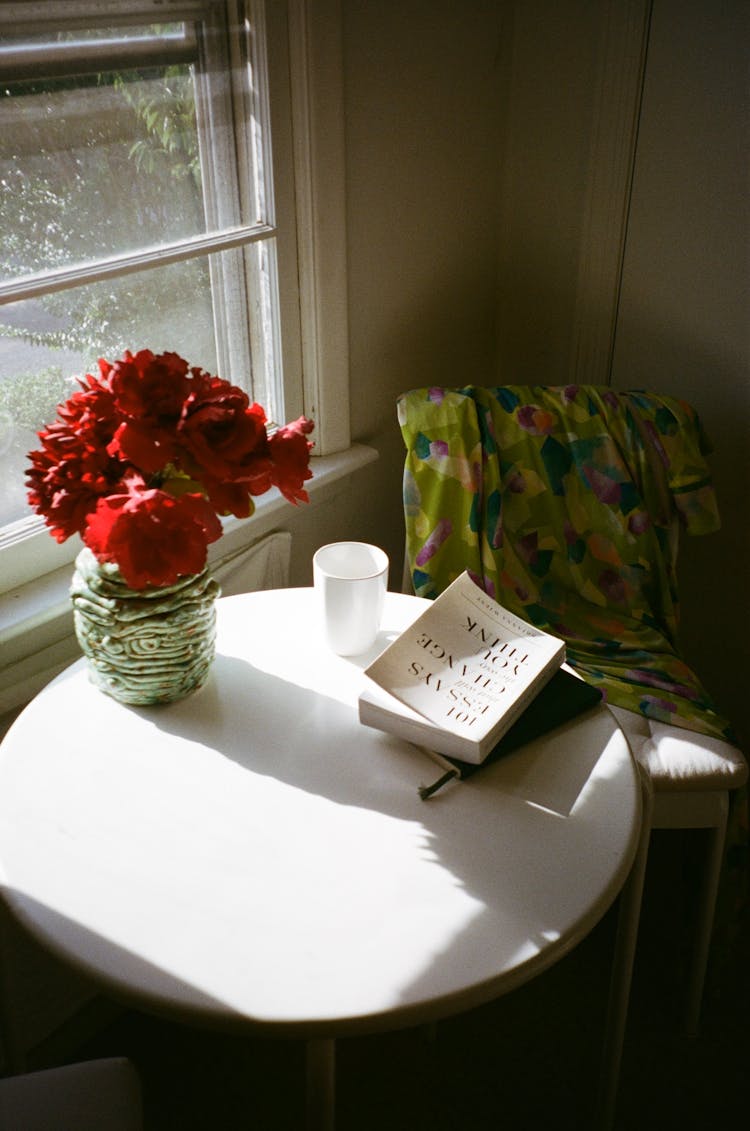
[{"x": 36, "y": 620}]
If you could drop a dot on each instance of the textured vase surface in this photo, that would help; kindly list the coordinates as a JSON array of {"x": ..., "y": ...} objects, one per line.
[{"x": 143, "y": 646}]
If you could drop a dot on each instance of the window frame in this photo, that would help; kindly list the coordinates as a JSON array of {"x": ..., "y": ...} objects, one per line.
[{"x": 304, "y": 104}]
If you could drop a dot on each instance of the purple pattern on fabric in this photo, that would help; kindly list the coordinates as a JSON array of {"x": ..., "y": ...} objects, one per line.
[
  {"x": 651, "y": 704},
  {"x": 638, "y": 522},
  {"x": 606, "y": 489},
  {"x": 527, "y": 418},
  {"x": 649, "y": 679},
  {"x": 657, "y": 444},
  {"x": 528, "y": 548},
  {"x": 442, "y": 531},
  {"x": 571, "y": 534},
  {"x": 613, "y": 586}
]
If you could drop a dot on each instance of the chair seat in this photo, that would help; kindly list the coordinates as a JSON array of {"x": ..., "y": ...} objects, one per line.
[
  {"x": 566, "y": 503},
  {"x": 97, "y": 1095},
  {"x": 680, "y": 760}
]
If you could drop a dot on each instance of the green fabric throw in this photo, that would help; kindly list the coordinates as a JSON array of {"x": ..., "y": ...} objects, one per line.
[{"x": 566, "y": 504}]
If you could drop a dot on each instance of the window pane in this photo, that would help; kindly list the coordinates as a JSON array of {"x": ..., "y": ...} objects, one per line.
[
  {"x": 94, "y": 167},
  {"x": 45, "y": 342},
  {"x": 115, "y": 143}
]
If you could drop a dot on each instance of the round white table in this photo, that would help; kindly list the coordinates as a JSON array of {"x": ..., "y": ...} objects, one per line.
[{"x": 254, "y": 856}]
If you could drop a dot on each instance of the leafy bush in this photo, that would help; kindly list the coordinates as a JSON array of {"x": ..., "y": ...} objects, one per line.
[
  {"x": 94, "y": 185},
  {"x": 31, "y": 399}
]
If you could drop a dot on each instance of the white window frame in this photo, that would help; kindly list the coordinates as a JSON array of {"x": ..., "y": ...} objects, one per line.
[
  {"x": 305, "y": 199},
  {"x": 305, "y": 84}
]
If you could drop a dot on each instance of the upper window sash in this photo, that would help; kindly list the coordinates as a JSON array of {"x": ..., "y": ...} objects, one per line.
[
  {"x": 86, "y": 57},
  {"x": 232, "y": 117},
  {"x": 305, "y": 89},
  {"x": 307, "y": 111},
  {"x": 30, "y": 17}
]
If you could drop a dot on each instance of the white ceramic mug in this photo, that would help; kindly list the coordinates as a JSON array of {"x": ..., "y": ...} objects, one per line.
[{"x": 351, "y": 579}]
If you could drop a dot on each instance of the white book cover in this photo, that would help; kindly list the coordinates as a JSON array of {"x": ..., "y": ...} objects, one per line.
[{"x": 465, "y": 670}]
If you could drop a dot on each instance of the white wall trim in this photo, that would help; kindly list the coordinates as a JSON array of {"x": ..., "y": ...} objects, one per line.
[
  {"x": 316, "y": 67},
  {"x": 621, "y": 69}
]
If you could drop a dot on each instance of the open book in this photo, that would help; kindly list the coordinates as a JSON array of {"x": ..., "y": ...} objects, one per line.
[{"x": 459, "y": 677}]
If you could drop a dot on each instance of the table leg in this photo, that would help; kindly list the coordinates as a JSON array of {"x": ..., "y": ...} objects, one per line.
[
  {"x": 622, "y": 969},
  {"x": 321, "y": 1084}
]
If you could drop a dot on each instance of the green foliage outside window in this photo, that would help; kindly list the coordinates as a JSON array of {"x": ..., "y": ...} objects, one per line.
[
  {"x": 90, "y": 168},
  {"x": 125, "y": 174}
]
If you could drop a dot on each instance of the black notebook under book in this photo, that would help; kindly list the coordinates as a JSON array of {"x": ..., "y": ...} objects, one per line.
[{"x": 563, "y": 698}]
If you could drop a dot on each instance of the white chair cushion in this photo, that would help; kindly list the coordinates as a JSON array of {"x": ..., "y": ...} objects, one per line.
[{"x": 681, "y": 760}]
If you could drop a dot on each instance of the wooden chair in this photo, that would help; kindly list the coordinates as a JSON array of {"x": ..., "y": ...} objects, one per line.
[
  {"x": 567, "y": 504},
  {"x": 97, "y": 1095}
]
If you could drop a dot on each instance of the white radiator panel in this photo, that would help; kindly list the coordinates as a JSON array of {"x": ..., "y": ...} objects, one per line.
[{"x": 264, "y": 565}]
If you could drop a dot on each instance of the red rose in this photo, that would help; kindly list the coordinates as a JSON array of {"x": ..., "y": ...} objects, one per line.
[
  {"x": 290, "y": 452},
  {"x": 152, "y": 537},
  {"x": 73, "y": 469},
  {"x": 220, "y": 429},
  {"x": 145, "y": 456},
  {"x": 229, "y": 498},
  {"x": 149, "y": 392}
]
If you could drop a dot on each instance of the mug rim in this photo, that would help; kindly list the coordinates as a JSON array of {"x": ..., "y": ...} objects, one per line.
[{"x": 375, "y": 572}]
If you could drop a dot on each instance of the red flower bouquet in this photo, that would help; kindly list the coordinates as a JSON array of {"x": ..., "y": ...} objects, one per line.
[{"x": 144, "y": 458}]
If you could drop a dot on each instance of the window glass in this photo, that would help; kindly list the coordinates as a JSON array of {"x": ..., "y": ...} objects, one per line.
[
  {"x": 135, "y": 213},
  {"x": 95, "y": 168},
  {"x": 46, "y": 342}
]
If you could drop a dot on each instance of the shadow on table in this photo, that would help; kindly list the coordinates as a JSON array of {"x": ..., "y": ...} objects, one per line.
[
  {"x": 529, "y": 812},
  {"x": 314, "y": 741},
  {"x": 160, "y": 992}
]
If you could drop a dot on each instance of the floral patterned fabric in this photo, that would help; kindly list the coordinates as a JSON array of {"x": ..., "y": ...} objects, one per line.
[{"x": 566, "y": 504}]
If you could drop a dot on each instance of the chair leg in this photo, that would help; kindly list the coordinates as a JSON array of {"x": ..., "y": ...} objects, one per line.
[
  {"x": 628, "y": 919},
  {"x": 705, "y": 920},
  {"x": 321, "y": 1084},
  {"x": 12, "y": 1047}
]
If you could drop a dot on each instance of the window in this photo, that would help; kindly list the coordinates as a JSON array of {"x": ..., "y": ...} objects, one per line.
[
  {"x": 138, "y": 209},
  {"x": 149, "y": 208}
]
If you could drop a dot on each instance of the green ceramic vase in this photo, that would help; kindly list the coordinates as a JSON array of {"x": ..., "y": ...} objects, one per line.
[{"x": 143, "y": 646}]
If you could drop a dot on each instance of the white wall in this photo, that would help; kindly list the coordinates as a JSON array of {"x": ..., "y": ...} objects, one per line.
[
  {"x": 468, "y": 134},
  {"x": 684, "y": 314},
  {"x": 545, "y": 158},
  {"x": 423, "y": 82}
]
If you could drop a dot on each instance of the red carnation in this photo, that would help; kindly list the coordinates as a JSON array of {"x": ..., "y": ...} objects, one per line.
[
  {"x": 148, "y": 387},
  {"x": 221, "y": 429},
  {"x": 153, "y": 537},
  {"x": 149, "y": 393},
  {"x": 290, "y": 451},
  {"x": 144, "y": 457},
  {"x": 73, "y": 468}
]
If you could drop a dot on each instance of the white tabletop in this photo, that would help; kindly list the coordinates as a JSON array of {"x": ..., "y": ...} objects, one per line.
[{"x": 254, "y": 855}]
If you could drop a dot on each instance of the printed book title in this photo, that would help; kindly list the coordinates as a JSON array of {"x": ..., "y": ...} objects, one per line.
[{"x": 471, "y": 684}]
